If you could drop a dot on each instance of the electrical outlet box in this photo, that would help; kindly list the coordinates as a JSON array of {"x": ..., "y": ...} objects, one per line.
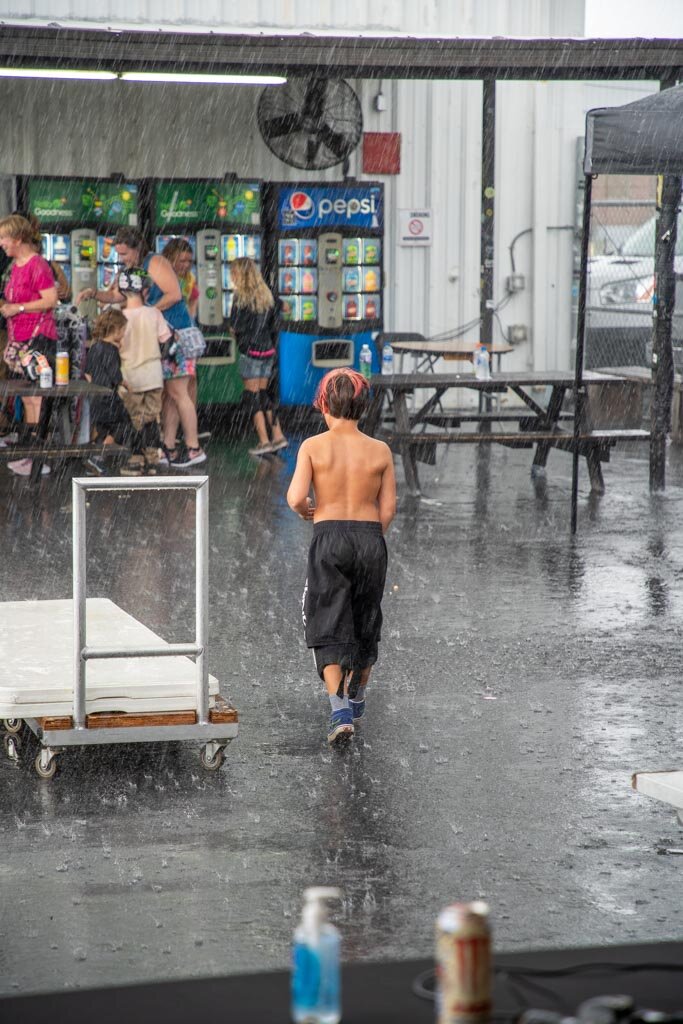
[
  {"x": 517, "y": 333},
  {"x": 515, "y": 283}
]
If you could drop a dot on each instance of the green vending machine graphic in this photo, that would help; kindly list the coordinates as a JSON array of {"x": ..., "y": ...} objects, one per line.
[
  {"x": 78, "y": 218},
  {"x": 221, "y": 220}
]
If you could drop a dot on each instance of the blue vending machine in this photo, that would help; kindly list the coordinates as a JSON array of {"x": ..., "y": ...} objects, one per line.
[{"x": 326, "y": 264}]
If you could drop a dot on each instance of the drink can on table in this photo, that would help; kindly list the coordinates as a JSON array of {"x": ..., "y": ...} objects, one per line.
[
  {"x": 463, "y": 964},
  {"x": 62, "y": 368},
  {"x": 45, "y": 379}
]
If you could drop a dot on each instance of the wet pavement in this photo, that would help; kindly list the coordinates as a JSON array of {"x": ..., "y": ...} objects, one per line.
[{"x": 524, "y": 675}]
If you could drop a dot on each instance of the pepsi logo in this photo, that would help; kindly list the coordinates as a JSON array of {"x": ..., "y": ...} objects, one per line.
[{"x": 301, "y": 205}]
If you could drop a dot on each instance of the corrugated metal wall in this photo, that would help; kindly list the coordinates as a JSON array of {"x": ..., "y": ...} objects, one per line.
[
  {"x": 82, "y": 129},
  {"x": 431, "y": 17}
]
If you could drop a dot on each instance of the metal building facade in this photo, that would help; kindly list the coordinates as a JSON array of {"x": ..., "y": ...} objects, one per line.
[{"x": 90, "y": 128}]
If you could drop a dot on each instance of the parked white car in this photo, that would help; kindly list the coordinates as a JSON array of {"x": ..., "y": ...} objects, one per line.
[{"x": 619, "y": 301}]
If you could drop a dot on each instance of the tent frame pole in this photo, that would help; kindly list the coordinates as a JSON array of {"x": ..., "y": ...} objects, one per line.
[{"x": 579, "y": 389}]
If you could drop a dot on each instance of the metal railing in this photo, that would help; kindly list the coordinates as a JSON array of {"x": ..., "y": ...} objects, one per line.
[{"x": 82, "y": 653}]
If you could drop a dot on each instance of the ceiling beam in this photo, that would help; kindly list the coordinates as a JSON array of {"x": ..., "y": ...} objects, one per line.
[{"x": 341, "y": 56}]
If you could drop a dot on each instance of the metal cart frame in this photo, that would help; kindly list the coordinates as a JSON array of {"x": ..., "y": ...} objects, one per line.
[{"x": 216, "y": 735}]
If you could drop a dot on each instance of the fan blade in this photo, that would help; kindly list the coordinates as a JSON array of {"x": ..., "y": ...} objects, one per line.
[
  {"x": 337, "y": 143},
  {"x": 274, "y": 127},
  {"x": 312, "y": 147},
  {"x": 314, "y": 100}
]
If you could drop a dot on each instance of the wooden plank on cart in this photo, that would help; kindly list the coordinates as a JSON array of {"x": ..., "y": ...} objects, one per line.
[
  {"x": 133, "y": 720},
  {"x": 222, "y": 712}
]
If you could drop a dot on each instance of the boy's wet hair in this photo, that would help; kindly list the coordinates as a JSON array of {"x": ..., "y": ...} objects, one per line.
[
  {"x": 108, "y": 323},
  {"x": 342, "y": 393}
]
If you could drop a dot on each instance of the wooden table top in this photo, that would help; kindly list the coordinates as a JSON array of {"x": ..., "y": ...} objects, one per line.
[
  {"x": 452, "y": 348},
  {"x": 498, "y": 381},
  {"x": 32, "y": 389}
]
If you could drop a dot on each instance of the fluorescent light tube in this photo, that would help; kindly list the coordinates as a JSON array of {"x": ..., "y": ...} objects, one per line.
[
  {"x": 73, "y": 73},
  {"x": 180, "y": 78}
]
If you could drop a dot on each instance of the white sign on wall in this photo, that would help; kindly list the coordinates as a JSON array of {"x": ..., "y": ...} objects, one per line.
[{"x": 414, "y": 227}]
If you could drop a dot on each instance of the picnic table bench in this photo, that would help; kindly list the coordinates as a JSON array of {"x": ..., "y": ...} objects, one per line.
[
  {"x": 56, "y": 406},
  {"x": 539, "y": 424}
]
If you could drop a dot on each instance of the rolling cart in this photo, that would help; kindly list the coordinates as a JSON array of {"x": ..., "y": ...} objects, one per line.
[{"x": 129, "y": 703}]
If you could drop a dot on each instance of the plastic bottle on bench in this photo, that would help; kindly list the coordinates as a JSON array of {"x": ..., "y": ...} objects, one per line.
[
  {"x": 482, "y": 363},
  {"x": 387, "y": 358},
  {"x": 365, "y": 361},
  {"x": 316, "y": 962}
]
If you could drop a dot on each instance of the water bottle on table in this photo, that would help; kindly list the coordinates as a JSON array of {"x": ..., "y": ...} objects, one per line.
[
  {"x": 482, "y": 363},
  {"x": 365, "y": 361},
  {"x": 387, "y": 358}
]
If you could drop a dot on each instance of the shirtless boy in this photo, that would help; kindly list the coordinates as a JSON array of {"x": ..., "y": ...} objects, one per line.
[{"x": 352, "y": 477}]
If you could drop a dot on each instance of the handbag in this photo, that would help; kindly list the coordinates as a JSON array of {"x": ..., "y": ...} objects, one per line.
[{"x": 191, "y": 342}]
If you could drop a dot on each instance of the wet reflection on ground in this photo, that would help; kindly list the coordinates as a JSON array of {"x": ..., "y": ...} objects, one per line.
[{"x": 524, "y": 675}]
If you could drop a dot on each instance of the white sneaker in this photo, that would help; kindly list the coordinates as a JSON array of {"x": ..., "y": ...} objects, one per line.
[
  {"x": 9, "y": 439},
  {"x": 23, "y": 467}
]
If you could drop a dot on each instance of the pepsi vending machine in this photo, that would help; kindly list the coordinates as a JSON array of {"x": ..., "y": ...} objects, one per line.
[
  {"x": 221, "y": 220},
  {"x": 78, "y": 218},
  {"x": 326, "y": 264}
]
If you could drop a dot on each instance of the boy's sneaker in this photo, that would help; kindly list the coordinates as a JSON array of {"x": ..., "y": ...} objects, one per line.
[
  {"x": 341, "y": 727},
  {"x": 9, "y": 439},
  {"x": 23, "y": 467},
  {"x": 262, "y": 449},
  {"x": 192, "y": 457},
  {"x": 357, "y": 709},
  {"x": 277, "y": 446},
  {"x": 96, "y": 463}
]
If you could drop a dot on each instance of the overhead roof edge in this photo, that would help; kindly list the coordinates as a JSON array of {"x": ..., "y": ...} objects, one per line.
[{"x": 271, "y": 51}]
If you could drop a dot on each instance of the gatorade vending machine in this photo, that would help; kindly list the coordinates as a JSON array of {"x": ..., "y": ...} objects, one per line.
[
  {"x": 221, "y": 220},
  {"x": 326, "y": 260},
  {"x": 78, "y": 218}
]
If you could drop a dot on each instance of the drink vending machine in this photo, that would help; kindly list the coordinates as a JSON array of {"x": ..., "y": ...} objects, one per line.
[
  {"x": 221, "y": 220},
  {"x": 78, "y": 218},
  {"x": 325, "y": 254}
]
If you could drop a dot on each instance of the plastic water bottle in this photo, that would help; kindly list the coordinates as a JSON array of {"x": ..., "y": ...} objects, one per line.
[
  {"x": 387, "y": 358},
  {"x": 365, "y": 361},
  {"x": 316, "y": 962},
  {"x": 482, "y": 365}
]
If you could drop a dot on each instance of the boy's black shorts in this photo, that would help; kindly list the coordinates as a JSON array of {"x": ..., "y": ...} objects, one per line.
[{"x": 347, "y": 566}]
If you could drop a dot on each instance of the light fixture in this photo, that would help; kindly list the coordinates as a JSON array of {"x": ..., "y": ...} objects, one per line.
[
  {"x": 66, "y": 73},
  {"x": 201, "y": 79}
]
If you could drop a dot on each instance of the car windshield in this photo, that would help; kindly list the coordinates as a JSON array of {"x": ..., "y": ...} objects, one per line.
[{"x": 642, "y": 241}]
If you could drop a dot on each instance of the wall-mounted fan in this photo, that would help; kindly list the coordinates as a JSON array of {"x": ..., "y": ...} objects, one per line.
[{"x": 310, "y": 123}]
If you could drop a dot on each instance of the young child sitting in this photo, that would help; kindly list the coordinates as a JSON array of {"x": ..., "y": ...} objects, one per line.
[
  {"x": 142, "y": 387},
  {"x": 109, "y": 420},
  {"x": 352, "y": 477}
]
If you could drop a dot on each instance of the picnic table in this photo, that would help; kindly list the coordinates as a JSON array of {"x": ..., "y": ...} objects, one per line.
[
  {"x": 56, "y": 407},
  {"x": 415, "y": 433}
]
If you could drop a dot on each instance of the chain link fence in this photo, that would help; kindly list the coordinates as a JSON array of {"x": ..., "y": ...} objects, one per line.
[{"x": 621, "y": 285}]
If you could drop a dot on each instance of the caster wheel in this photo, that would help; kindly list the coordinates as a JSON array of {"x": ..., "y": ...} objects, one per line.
[
  {"x": 13, "y": 725},
  {"x": 45, "y": 771},
  {"x": 212, "y": 764},
  {"x": 12, "y": 745}
]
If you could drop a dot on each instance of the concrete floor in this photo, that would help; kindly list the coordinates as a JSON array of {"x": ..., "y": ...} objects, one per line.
[{"x": 523, "y": 677}]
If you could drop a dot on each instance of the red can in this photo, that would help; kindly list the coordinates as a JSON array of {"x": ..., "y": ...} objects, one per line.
[{"x": 463, "y": 964}]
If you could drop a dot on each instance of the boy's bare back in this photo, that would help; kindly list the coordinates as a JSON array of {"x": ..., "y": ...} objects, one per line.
[{"x": 349, "y": 473}]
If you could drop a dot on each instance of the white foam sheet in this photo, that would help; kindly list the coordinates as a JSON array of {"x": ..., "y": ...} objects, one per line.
[{"x": 36, "y": 663}]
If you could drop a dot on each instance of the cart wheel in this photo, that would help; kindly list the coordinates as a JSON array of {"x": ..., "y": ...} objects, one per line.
[
  {"x": 12, "y": 745},
  {"x": 45, "y": 771},
  {"x": 212, "y": 764},
  {"x": 13, "y": 725}
]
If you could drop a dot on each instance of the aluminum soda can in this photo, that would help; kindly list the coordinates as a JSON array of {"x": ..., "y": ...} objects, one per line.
[
  {"x": 62, "y": 368},
  {"x": 463, "y": 964},
  {"x": 46, "y": 377}
]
